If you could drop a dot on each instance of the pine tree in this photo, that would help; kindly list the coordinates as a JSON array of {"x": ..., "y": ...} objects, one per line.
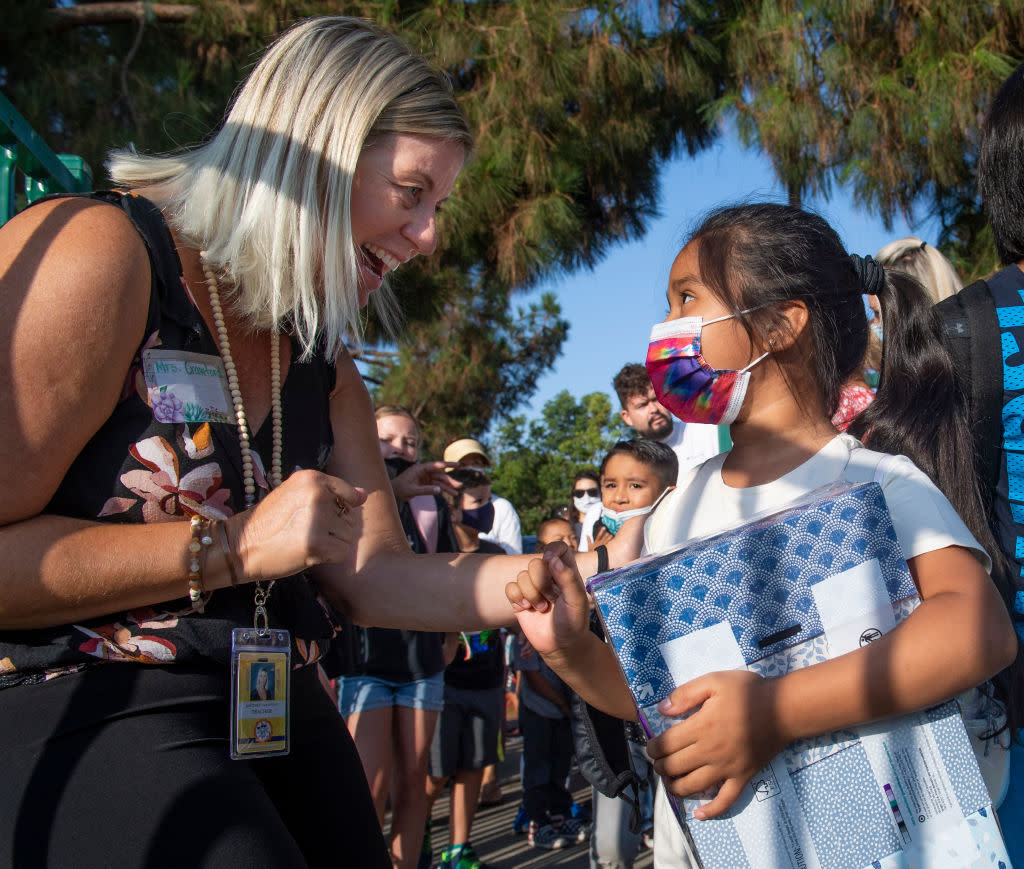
[
  {"x": 575, "y": 106},
  {"x": 536, "y": 463},
  {"x": 885, "y": 96}
]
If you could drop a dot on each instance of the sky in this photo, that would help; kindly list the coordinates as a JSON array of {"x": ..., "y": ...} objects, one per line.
[{"x": 612, "y": 307}]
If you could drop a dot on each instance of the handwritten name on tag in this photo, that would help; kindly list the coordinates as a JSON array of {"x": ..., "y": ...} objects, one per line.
[{"x": 187, "y": 387}]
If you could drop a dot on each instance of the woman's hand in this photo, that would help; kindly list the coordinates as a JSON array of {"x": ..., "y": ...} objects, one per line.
[
  {"x": 424, "y": 478},
  {"x": 726, "y": 741},
  {"x": 310, "y": 519},
  {"x": 550, "y": 601}
]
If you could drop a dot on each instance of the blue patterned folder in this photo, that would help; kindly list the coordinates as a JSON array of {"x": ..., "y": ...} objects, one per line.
[{"x": 820, "y": 578}]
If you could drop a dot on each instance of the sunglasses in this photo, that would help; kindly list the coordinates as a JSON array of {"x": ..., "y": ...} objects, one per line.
[{"x": 582, "y": 493}]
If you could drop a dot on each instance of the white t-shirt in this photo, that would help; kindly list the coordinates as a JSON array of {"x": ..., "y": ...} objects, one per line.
[
  {"x": 506, "y": 530},
  {"x": 589, "y": 520},
  {"x": 922, "y": 517}
]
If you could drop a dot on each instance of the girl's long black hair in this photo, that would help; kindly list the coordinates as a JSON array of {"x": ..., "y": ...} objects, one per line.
[
  {"x": 757, "y": 256},
  {"x": 922, "y": 410}
]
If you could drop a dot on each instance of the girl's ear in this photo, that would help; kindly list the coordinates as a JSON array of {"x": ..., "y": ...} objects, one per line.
[{"x": 796, "y": 319}]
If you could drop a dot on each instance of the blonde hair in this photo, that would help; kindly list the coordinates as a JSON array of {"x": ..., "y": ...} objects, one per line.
[
  {"x": 397, "y": 410},
  {"x": 922, "y": 261},
  {"x": 267, "y": 198}
]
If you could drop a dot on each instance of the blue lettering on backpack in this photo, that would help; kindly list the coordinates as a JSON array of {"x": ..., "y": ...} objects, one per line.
[{"x": 1011, "y": 317}]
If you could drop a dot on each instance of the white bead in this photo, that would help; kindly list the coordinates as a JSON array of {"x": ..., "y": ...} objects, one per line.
[{"x": 248, "y": 479}]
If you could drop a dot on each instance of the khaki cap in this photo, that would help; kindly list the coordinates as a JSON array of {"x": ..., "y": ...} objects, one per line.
[{"x": 456, "y": 451}]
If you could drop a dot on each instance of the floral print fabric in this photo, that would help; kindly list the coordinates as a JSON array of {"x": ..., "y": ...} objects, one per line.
[
  {"x": 136, "y": 469},
  {"x": 852, "y": 400}
]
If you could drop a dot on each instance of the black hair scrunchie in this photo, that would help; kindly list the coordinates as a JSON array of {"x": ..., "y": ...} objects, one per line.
[{"x": 869, "y": 273}]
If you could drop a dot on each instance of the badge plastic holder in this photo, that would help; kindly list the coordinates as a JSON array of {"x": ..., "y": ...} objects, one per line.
[{"x": 260, "y": 693}]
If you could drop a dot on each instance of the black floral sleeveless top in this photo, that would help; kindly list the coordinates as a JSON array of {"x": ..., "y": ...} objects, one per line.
[{"x": 136, "y": 469}]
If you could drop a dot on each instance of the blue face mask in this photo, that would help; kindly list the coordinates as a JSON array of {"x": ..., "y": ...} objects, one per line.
[
  {"x": 613, "y": 519},
  {"x": 480, "y": 518}
]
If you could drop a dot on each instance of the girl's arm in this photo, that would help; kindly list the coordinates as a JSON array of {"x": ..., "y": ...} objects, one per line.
[
  {"x": 382, "y": 585},
  {"x": 553, "y": 611},
  {"x": 958, "y": 637},
  {"x": 74, "y": 297}
]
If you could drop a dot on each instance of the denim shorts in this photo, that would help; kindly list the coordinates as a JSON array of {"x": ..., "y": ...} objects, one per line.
[{"x": 363, "y": 693}]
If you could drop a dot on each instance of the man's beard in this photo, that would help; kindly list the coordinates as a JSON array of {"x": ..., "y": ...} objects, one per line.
[{"x": 658, "y": 428}]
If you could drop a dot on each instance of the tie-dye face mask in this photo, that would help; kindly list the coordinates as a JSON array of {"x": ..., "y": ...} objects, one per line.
[{"x": 684, "y": 383}]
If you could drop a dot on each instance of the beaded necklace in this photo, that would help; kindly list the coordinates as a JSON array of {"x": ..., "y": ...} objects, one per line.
[{"x": 224, "y": 346}]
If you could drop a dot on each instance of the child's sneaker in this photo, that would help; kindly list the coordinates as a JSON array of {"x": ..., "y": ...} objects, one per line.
[
  {"x": 648, "y": 835},
  {"x": 573, "y": 829},
  {"x": 545, "y": 836},
  {"x": 461, "y": 857},
  {"x": 521, "y": 823}
]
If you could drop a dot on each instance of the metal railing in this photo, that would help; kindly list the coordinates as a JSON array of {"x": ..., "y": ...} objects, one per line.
[{"x": 26, "y": 157}]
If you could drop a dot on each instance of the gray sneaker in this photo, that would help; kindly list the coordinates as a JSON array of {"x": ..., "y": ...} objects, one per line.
[
  {"x": 545, "y": 836},
  {"x": 574, "y": 829}
]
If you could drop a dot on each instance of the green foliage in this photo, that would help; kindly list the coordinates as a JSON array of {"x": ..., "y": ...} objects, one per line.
[
  {"x": 575, "y": 108},
  {"x": 537, "y": 462},
  {"x": 477, "y": 361},
  {"x": 884, "y": 96}
]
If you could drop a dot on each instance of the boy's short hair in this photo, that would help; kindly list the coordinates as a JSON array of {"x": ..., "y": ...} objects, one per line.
[
  {"x": 632, "y": 380},
  {"x": 652, "y": 454}
]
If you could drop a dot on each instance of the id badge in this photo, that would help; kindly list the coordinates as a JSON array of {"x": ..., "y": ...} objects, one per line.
[{"x": 260, "y": 693}]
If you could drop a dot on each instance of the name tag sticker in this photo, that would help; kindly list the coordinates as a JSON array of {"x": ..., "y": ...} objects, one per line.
[{"x": 186, "y": 387}]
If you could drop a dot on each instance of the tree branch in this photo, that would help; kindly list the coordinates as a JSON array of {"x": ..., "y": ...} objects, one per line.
[{"x": 86, "y": 14}]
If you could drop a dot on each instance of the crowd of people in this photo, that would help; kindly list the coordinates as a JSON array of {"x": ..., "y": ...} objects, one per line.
[{"x": 207, "y": 519}]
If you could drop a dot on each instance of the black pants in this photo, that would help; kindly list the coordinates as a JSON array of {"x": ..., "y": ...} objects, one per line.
[
  {"x": 126, "y": 765},
  {"x": 547, "y": 756}
]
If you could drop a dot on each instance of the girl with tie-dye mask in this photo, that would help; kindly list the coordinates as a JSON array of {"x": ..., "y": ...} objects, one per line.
[{"x": 765, "y": 323}]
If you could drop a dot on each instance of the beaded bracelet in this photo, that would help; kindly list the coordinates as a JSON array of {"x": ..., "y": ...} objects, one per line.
[{"x": 197, "y": 547}]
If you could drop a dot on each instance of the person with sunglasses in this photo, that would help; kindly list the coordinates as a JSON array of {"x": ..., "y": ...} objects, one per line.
[{"x": 586, "y": 494}]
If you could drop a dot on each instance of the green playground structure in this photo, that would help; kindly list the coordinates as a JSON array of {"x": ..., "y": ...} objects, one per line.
[{"x": 26, "y": 159}]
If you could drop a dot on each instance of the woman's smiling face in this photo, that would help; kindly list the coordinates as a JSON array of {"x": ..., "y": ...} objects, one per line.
[{"x": 400, "y": 183}]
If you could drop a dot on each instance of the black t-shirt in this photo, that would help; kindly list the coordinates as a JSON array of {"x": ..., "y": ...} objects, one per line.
[
  {"x": 401, "y": 655},
  {"x": 479, "y": 662}
]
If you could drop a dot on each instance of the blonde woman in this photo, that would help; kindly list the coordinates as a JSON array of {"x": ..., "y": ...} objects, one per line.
[{"x": 189, "y": 451}]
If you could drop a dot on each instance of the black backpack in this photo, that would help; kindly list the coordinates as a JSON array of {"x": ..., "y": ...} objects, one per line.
[
  {"x": 603, "y": 754},
  {"x": 972, "y": 312}
]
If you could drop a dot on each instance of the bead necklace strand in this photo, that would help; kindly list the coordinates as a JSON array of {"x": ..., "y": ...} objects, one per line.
[{"x": 248, "y": 476}]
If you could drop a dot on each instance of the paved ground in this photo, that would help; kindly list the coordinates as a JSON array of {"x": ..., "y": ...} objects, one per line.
[{"x": 492, "y": 835}]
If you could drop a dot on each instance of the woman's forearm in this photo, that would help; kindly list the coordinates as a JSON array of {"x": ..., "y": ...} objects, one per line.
[
  {"x": 439, "y": 592},
  {"x": 59, "y": 570}
]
